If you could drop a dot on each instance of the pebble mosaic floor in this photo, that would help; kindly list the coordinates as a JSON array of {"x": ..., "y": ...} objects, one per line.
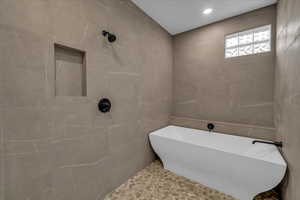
[{"x": 156, "y": 183}]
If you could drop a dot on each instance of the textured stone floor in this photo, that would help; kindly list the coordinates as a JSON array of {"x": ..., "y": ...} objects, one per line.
[{"x": 156, "y": 183}]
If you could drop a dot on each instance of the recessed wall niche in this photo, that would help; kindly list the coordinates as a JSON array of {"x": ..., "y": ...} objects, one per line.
[{"x": 70, "y": 71}]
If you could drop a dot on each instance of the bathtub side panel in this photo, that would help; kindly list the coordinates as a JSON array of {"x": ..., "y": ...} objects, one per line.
[{"x": 232, "y": 174}]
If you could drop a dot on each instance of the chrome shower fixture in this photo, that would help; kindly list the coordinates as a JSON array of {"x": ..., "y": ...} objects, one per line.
[{"x": 111, "y": 37}]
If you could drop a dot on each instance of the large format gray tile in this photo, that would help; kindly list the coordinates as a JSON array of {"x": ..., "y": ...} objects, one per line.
[
  {"x": 287, "y": 92},
  {"x": 209, "y": 87},
  {"x": 63, "y": 147}
]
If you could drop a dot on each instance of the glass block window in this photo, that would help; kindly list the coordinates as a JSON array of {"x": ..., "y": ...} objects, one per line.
[{"x": 252, "y": 41}]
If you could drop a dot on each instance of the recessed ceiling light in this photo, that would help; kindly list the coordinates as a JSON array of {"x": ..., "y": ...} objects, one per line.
[{"x": 207, "y": 11}]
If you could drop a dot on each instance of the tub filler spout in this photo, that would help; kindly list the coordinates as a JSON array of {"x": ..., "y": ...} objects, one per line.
[{"x": 278, "y": 144}]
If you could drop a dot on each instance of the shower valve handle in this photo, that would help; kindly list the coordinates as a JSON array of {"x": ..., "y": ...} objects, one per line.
[{"x": 104, "y": 105}]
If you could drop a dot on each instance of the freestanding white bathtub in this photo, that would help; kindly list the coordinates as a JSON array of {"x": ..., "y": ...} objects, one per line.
[{"x": 230, "y": 164}]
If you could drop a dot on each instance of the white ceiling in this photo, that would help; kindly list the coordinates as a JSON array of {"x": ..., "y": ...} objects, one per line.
[{"x": 178, "y": 16}]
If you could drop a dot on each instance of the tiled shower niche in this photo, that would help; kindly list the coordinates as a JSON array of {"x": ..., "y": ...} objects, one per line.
[{"x": 70, "y": 71}]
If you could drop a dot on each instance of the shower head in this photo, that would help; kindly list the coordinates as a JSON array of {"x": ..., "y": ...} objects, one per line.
[{"x": 111, "y": 37}]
